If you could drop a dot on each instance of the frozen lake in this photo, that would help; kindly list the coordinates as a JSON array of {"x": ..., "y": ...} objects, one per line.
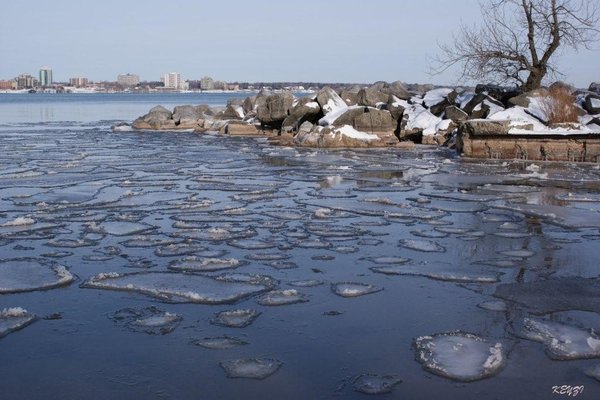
[{"x": 186, "y": 266}]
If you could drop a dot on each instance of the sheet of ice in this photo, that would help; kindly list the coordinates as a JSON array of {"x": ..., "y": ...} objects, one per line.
[
  {"x": 551, "y": 295},
  {"x": 441, "y": 274},
  {"x": 594, "y": 372},
  {"x": 562, "y": 342},
  {"x": 20, "y": 221},
  {"x": 239, "y": 318},
  {"x": 492, "y": 305},
  {"x": 375, "y": 384},
  {"x": 460, "y": 356},
  {"x": 281, "y": 298},
  {"x": 27, "y": 274},
  {"x": 253, "y": 368},
  {"x": 219, "y": 342},
  {"x": 353, "y": 289},
  {"x": 422, "y": 245},
  {"x": 13, "y": 319},
  {"x": 176, "y": 287},
  {"x": 205, "y": 264},
  {"x": 150, "y": 320}
]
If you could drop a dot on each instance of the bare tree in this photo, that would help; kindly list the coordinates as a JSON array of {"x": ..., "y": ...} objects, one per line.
[{"x": 518, "y": 40}]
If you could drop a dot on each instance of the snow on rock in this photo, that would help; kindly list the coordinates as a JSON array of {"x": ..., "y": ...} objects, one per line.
[
  {"x": 329, "y": 118},
  {"x": 518, "y": 117},
  {"x": 349, "y": 131},
  {"x": 419, "y": 118},
  {"x": 460, "y": 356},
  {"x": 436, "y": 96}
]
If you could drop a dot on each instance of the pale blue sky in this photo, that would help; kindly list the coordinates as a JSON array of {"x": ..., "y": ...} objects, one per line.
[{"x": 256, "y": 40}]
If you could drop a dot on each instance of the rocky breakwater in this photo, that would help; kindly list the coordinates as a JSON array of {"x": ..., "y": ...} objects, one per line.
[{"x": 524, "y": 126}]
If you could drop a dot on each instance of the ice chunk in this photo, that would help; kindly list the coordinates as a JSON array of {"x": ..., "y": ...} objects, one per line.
[
  {"x": 440, "y": 274},
  {"x": 267, "y": 256},
  {"x": 353, "y": 289},
  {"x": 251, "y": 368},
  {"x": 27, "y": 274},
  {"x": 521, "y": 253},
  {"x": 460, "y": 356},
  {"x": 375, "y": 384},
  {"x": 563, "y": 342},
  {"x": 422, "y": 245},
  {"x": 493, "y": 305},
  {"x": 20, "y": 221},
  {"x": 248, "y": 244},
  {"x": 149, "y": 320},
  {"x": 121, "y": 228},
  {"x": 551, "y": 295},
  {"x": 388, "y": 260},
  {"x": 306, "y": 283},
  {"x": 219, "y": 342},
  {"x": 204, "y": 264},
  {"x": 594, "y": 372},
  {"x": 176, "y": 287},
  {"x": 240, "y": 318},
  {"x": 282, "y": 297},
  {"x": 13, "y": 319}
]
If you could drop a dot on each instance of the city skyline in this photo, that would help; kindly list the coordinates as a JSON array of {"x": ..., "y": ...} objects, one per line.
[{"x": 251, "y": 42}]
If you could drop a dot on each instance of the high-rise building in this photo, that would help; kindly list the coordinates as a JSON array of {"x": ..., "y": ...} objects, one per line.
[
  {"x": 207, "y": 83},
  {"x": 26, "y": 81},
  {"x": 128, "y": 80},
  {"x": 172, "y": 80},
  {"x": 78, "y": 81},
  {"x": 45, "y": 76}
]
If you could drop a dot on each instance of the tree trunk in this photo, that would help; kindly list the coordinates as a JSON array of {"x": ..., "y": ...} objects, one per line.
[{"x": 534, "y": 80}]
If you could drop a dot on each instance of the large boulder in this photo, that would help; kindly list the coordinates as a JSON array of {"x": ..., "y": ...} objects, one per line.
[
  {"x": 485, "y": 127},
  {"x": 248, "y": 104},
  {"x": 330, "y": 101},
  {"x": 455, "y": 114},
  {"x": 349, "y": 97},
  {"x": 375, "y": 121},
  {"x": 275, "y": 108},
  {"x": 397, "y": 89},
  {"x": 240, "y": 128},
  {"x": 592, "y": 104},
  {"x": 342, "y": 137},
  {"x": 306, "y": 109},
  {"x": 499, "y": 93},
  {"x": 438, "y": 99},
  {"x": 595, "y": 87},
  {"x": 157, "y": 118},
  {"x": 372, "y": 96},
  {"x": 396, "y": 107},
  {"x": 234, "y": 110}
]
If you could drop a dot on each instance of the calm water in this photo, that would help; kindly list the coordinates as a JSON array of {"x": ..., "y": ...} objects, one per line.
[{"x": 283, "y": 219}]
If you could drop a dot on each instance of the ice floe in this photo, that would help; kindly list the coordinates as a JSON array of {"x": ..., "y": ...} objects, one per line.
[
  {"x": 239, "y": 318},
  {"x": 353, "y": 289},
  {"x": 176, "y": 287},
  {"x": 460, "y": 356},
  {"x": 281, "y": 298},
  {"x": 562, "y": 342},
  {"x": 422, "y": 245},
  {"x": 440, "y": 273},
  {"x": 375, "y": 384},
  {"x": 13, "y": 319},
  {"x": 150, "y": 320},
  {"x": 253, "y": 368},
  {"x": 27, "y": 274},
  {"x": 204, "y": 264},
  {"x": 219, "y": 342}
]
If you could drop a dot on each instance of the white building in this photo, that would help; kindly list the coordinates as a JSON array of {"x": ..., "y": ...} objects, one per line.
[
  {"x": 172, "y": 80},
  {"x": 45, "y": 76},
  {"x": 128, "y": 80}
]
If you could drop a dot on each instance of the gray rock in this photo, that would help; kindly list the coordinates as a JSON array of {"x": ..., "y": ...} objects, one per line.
[
  {"x": 484, "y": 128},
  {"x": 306, "y": 110},
  {"x": 499, "y": 93},
  {"x": 248, "y": 104},
  {"x": 157, "y": 118},
  {"x": 455, "y": 114},
  {"x": 394, "y": 108},
  {"x": 595, "y": 87},
  {"x": 331, "y": 137},
  {"x": 232, "y": 111},
  {"x": 351, "y": 98},
  {"x": 329, "y": 100},
  {"x": 521, "y": 100},
  {"x": 371, "y": 96},
  {"x": 592, "y": 104},
  {"x": 348, "y": 117},
  {"x": 275, "y": 109},
  {"x": 375, "y": 121}
]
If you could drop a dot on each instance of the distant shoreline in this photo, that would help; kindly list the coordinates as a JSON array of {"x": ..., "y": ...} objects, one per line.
[{"x": 159, "y": 92}]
